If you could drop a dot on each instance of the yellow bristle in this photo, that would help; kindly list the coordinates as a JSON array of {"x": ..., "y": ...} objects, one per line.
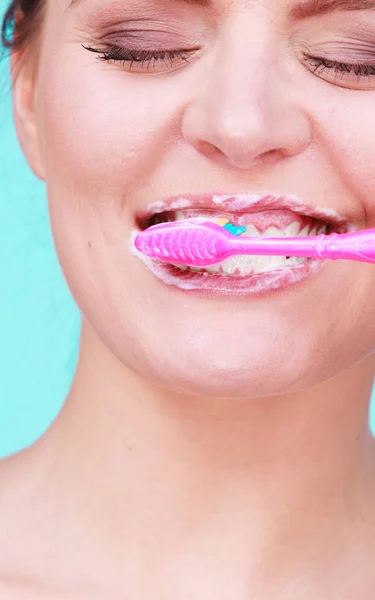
[{"x": 222, "y": 222}]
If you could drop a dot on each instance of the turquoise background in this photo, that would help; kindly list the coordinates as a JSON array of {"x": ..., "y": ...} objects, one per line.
[{"x": 39, "y": 321}]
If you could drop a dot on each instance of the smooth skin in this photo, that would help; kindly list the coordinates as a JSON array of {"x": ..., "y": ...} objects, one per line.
[{"x": 210, "y": 448}]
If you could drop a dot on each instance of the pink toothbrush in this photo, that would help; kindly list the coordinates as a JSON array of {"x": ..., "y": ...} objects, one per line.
[{"x": 204, "y": 244}]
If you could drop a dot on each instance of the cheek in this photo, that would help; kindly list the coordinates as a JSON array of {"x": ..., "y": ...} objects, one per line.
[
  {"x": 346, "y": 134},
  {"x": 104, "y": 128}
]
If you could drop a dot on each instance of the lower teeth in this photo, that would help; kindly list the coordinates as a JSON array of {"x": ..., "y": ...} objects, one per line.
[{"x": 248, "y": 265}]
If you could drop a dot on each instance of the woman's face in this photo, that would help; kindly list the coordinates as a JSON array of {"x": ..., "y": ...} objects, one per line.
[{"x": 258, "y": 97}]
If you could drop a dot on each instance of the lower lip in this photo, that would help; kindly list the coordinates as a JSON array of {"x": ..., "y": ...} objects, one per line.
[{"x": 259, "y": 284}]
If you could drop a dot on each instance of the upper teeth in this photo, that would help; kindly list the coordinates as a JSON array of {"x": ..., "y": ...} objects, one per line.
[{"x": 292, "y": 230}]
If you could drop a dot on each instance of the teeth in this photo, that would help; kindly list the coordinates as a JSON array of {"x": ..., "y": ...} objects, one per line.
[
  {"x": 304, "y": 232},
  {"x": 229, "y": 266},
  {"x": 293, "y": 230},
  {"x": 272, "y": 232},
  {"x": 247, "y": 265},
  {"x": 251, "y": 231}
]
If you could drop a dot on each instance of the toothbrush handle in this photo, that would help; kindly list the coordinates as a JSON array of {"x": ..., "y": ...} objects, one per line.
[{"x": 358, "y": 246}]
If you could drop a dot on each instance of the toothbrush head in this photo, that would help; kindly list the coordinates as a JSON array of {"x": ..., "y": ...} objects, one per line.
[{"x": 191, "y": 243}]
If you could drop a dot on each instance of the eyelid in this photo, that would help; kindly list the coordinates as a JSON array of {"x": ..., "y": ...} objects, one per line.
[
  {"x": 342, "y": 74},
  {"x": 342, "y": 53},
  {"x": 147, "y": 36},
  {"x": 336, "y": 52},
  {"x": 128, "y": 57},
  {"x": 114, "y": 48},
  {"x": 335, "y": 44}
]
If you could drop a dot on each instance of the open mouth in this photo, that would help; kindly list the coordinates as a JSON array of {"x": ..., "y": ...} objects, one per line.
[{"x": 266, "y": 217}]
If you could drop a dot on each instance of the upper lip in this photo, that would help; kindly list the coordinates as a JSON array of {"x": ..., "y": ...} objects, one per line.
[{"x": 246, "y": 203}]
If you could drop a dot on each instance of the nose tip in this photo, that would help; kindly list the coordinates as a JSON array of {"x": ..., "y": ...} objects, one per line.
[
  {"x": 247, "y": 126},
  {"x": 264, "y": 141}
]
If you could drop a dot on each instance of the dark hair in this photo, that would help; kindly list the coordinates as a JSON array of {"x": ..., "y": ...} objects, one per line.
[{"x": 20, "y": 23}]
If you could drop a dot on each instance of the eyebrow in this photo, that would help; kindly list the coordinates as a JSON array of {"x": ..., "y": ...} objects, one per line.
[
  {"x": 313, "y": 8},
  {"x": 195, "y": 2},
  {"x": 303, "y": 10}
]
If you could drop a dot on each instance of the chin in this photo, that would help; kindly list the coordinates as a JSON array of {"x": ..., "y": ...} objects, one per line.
[{"x": 221, "y": 374}]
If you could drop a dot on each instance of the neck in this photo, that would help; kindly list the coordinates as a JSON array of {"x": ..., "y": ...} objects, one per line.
[
  {"x": 228, "y": 465},
  {"x": 325, "y": 423}
]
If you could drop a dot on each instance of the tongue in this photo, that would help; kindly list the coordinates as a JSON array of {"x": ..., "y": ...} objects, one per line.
[{"x": 261, "y": 220}]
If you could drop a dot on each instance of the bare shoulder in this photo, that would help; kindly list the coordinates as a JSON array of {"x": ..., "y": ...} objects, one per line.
[
  {"x": 14, "y": 591},
  {"x": 15, "y": 509},
  {"x": 18, "y": 590},
  {"x": 20, "y": 521}
]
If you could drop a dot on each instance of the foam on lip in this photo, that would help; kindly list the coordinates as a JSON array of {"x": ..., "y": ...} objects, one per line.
[
  {"x": 239, "y": 203},
  {"x": 159, "y": 207},
  {"x": 242, "y": 202},
  {"x": 251, "y": 203},
  {"x": 261, "y": 221}
]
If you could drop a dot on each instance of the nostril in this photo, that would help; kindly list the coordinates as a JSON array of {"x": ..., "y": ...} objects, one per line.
[
  {"x": 209, "y": 149},
  {"x": 270, "y": 157}
]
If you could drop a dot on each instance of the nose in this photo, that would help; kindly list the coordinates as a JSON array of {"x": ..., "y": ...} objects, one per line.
[{"x": 247, "y": 110}]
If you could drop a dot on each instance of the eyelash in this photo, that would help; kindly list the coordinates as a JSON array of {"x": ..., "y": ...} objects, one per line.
[
  {"x": 321, "y": 65},
  {"x": 124, "y": 55}
]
